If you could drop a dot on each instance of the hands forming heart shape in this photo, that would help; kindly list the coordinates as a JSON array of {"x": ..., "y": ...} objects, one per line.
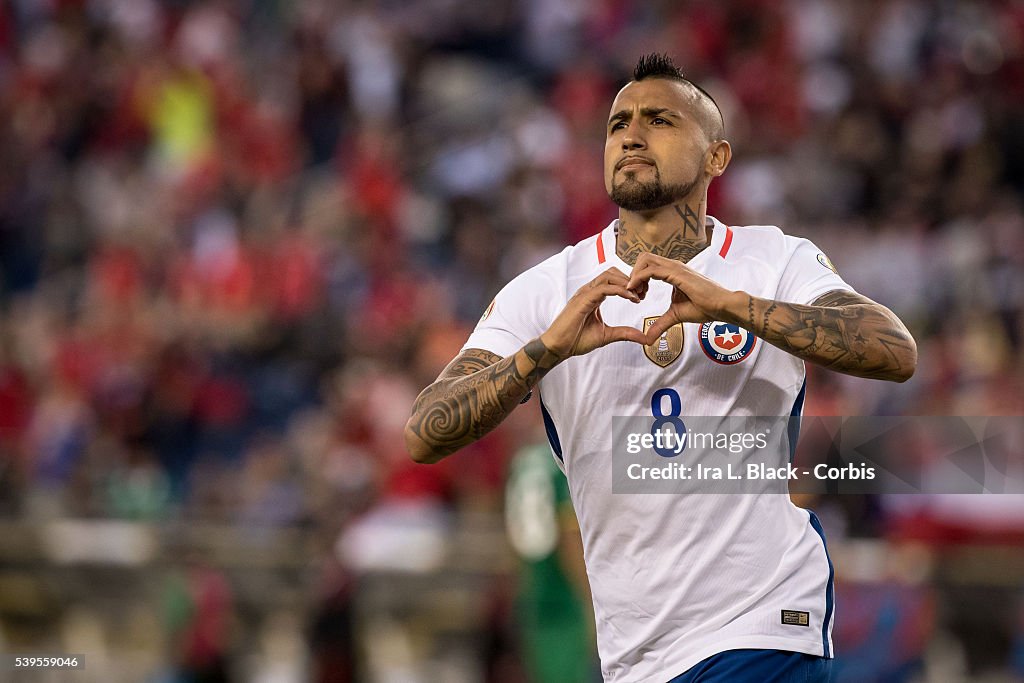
[{"x": 579, "y": 329}]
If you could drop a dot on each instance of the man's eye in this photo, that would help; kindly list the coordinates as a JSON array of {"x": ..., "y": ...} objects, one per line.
[
  {"x": 658, "y": 119},
  {"x": 618, "y": 124}
]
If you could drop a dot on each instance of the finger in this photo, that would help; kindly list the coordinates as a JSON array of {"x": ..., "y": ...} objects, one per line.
[
  {"x": 679, "y": 313},
  {"x": 659, "y": 326},
  {"x": 688, "y": 312},
  {"x": 602, "y": 292},
  {"x": 650, "y": 258},
  {"x": 641, "y": 290},
  {"x": 638, "y": 277},
  {"x": 626, "y": 334},
  {"x": 672, "y": 272},
  {"x": 645, "y": 271},
  {"x": 591, "y": 297},
  {"x": 612, "y": 275}
]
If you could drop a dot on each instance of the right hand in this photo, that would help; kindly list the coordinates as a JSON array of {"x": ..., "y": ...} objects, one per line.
[{"x": 579, "y": 329}]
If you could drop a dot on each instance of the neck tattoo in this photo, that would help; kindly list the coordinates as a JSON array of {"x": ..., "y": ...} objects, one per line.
[{"x": 680, "y": 246}]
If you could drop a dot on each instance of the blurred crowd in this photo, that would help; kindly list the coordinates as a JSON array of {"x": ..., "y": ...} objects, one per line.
[{"x": 237, "y": 237}]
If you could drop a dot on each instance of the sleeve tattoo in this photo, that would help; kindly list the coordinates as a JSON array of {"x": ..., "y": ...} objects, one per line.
[
  {"x": 840, "y": 330},
  {"x": 474, "y": 394},
  {"x": 472, "y": 360}
]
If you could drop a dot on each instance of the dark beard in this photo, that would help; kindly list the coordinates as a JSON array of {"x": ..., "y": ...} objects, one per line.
[{"x": 633, "y": 195}]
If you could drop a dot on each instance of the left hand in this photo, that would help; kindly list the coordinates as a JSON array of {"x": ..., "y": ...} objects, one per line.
[{"x": 695, "y": 298}]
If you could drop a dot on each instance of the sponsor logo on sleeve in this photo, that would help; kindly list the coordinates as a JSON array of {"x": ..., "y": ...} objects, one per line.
[
  {"x": 823, "y": 260},
  {"x": 487, "y": 313}
]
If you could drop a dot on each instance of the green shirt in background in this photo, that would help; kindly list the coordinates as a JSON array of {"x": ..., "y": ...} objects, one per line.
[{"x": 556, "y": 641}]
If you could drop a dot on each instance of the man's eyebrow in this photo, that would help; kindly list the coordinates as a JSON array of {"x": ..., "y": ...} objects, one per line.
[
  {"x": 656, "y": 111},
  {"x": 626, "y": 114},
  {"x": 623, "y": 114}
]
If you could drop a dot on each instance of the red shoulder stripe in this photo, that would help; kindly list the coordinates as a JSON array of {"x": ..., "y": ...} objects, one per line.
[
  {"x": 600, "y": 247},
  {"x": 727, "y": 243}
]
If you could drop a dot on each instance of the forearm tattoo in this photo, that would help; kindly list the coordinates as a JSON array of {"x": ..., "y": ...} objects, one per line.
[
  {"x": 474, "y": 394},
  {"x": 841, "y": 330},
  {"x": 472, "y": 360},
  {"x": 681, "y": 246}
]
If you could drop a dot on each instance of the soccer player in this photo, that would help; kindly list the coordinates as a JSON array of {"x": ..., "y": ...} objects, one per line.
[
  {"x": 716, "y": 320},
  {"x": 553, "y": 596}
]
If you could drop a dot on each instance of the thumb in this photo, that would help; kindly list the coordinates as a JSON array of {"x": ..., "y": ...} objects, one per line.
[
  {"x": 659, "y": 326},
  {"x": 632, "y": 334}
]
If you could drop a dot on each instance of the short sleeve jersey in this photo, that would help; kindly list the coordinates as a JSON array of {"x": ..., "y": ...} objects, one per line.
[{"x": 676, "y": 579}]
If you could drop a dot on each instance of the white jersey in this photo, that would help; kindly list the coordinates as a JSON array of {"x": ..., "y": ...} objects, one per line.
[{"x": 677, "y": 578}]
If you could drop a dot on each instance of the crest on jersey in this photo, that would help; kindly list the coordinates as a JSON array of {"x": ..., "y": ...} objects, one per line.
[
  {"x": 726, "y": 343},
  {"x": 824, "y": 260},
  {"x": 669, "y": 344}
]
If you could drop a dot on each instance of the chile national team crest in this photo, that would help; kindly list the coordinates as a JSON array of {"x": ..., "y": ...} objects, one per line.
[
  {"x": 669, "y": 344},
  {"x": 726, "y": 344}
]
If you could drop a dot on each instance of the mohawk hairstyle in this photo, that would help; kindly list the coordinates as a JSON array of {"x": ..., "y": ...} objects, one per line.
[
  {"x": 656, "y": 65},
  {"x": 660, "y": 65}
]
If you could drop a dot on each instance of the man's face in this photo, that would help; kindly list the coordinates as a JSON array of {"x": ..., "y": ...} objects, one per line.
[{"x": 655, "y": 147}]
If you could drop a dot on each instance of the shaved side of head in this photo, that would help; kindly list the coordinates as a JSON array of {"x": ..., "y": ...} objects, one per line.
[{"x": 704, "y": 106}]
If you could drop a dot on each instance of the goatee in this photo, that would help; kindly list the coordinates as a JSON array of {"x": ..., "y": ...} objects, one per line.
[{"x": 633, "y": 195}]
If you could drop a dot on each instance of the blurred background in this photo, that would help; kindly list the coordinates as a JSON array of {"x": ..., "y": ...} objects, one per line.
[{"x": 238, "y": 237}]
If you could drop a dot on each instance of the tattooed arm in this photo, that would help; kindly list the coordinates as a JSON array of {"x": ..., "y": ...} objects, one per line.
[
  {"x": 471, "y": 397},
  {"x": 479, "y": 389},
  {"x": 840, "y": 330}
]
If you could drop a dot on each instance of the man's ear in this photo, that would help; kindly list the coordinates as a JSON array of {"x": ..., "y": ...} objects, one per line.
[{"x": 719, "y": 157}]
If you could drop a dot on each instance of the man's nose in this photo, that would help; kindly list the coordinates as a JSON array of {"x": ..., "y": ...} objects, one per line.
[{"x": 633, "y": 139}]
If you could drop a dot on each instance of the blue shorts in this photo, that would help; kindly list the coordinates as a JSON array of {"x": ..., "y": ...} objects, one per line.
[{"x": 759, "y": 666}]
